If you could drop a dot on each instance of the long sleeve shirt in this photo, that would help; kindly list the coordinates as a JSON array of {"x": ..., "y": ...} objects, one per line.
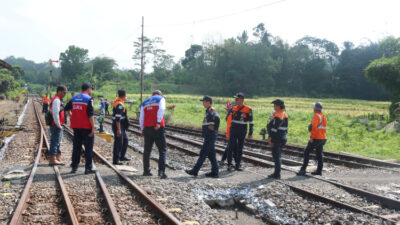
[
  {"x": 160, "y": 113},
  {"x": 55, "y": 110}
]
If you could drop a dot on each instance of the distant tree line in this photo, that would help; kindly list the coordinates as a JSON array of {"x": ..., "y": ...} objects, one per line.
[{"x": 258, "y": 64}]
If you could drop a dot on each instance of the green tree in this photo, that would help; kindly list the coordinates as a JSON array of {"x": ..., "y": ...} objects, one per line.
[
  {"x": 73, "y": 62},
  {"x": 7, "y": 82},
  {"x": 18, "y": 73},
  {"x": 386, "y": 73}
]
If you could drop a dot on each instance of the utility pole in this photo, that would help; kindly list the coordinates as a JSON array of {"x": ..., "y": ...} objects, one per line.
[
  {"x": 141, "y": 66},
  {"x": 51, "y": 78}
]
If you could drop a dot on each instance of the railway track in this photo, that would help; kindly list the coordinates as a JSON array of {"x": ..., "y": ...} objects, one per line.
[
  {"x": 392, "y": 206},
  {"x": 258, "y": 148},
  {"x": 81, "y": 199}
]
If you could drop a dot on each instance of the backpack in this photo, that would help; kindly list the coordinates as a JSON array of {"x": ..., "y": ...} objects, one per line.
[{"x": 48, "y": 118}]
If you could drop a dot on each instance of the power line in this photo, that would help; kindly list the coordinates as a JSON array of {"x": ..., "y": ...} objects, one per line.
[{"x": 219, "y": 17}]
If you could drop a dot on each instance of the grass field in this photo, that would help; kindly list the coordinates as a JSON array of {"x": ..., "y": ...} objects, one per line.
[{"x": 345, "y": 131}]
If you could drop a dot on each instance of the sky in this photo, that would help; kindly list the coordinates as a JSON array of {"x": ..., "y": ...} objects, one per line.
[{"x": 40, "y": 29}]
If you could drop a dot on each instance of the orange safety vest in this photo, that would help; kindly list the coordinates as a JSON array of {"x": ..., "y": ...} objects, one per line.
[
  {"x": 46, "y": 100},
  {"x": 118, "y": 101},
  {"x": 318, "y": 123},
  {"x": 228, "y": 126}
]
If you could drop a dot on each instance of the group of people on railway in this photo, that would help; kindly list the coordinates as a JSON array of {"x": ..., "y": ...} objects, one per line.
[{"x": 239, "y": 118}]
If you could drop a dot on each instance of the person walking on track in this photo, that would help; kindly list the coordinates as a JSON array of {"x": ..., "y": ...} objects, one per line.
[
  {"x": 152, "y": 125},
  {"x": 210, "y": 132},
  {"x": 317, "y": 140}
]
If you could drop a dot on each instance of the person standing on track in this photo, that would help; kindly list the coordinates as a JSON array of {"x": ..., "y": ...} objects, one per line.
[
  {"x": 119, "y": 126},
  {"x": 317, "y": 140},
  {"x": 241, "y": 115},
  {"x": 107, "y": 105},
  {"x": 46, "y": 102},
  {"x": 82, "y": 121},
  {"x": 277, "y": 130},
  {"x": 210, "y": 132},
  {"x": 56, "y": 127},
  {"x": 228, "y": 119},
  {"x": 152, "y": 125}
]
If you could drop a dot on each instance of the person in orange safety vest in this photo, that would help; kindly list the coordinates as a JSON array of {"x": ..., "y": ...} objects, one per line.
[
  {"x": 46, "y": 102},
  {"x": 317, "y": 141}
]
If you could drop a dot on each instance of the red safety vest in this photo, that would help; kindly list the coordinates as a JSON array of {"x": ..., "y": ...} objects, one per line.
[
  {"x": 79, "y": 117},
  {"x": 150, "y": 108},
  {"x": 62, "y": 116}
]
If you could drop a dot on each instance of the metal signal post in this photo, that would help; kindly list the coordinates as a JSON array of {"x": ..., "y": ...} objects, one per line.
[{"x": 141, "y": 66}]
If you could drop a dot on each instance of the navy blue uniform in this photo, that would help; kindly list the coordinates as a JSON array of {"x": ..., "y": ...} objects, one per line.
[
  {"x": 277, "y": 130},
  {"x": 211, "y": 118},
  {"x": 81, "y": 128},
  {"x": 120, "y": 143}
]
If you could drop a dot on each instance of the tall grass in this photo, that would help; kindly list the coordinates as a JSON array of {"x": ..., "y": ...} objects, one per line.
[{"x": 345, "y": 130}]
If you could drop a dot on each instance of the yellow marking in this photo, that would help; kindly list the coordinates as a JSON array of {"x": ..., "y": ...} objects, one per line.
[
  {"x": 191, "y": 223},
  {"x": 7, "y": 194},
  {"x": 161, "y": 199},
  {"x": 106, "y": 136},
  {"x": 174, "y": 210}
]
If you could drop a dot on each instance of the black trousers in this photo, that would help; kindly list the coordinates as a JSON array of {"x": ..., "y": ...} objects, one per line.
[
  {"x": 120, "y": 143},
  {"x": 236, "y": 142},
  {"x": 318, "y": 145},
  {"x": 45, "y": 108},
  {"x": 158, "y": 136},
  {"x": 81, "y": 136},
  {"x": 208, "y": 151},
  {"x": 276, "y": 155}
]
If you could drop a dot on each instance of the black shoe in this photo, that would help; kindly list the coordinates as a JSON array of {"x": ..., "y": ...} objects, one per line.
[
  {"x": 317, "y": 173},
  {"x": 118, "y": 163},
  {"x": 221, "y": 164},
  {"x": 125, "y": 159},
  {"x": 74, "y": 169},
  {"x": 147, "y": 174},
  {"x": 163, "y": 176},
  {"x": 230, "y": 167},
  {"x": 301, "y": 173},
  {"x": 275, "y": 176},
  {"x": 239, "y": 168},
  {"x": 213, "y": 175},
  {"x": 89, "y": 171},
  {"x": 190, "y": 172}
]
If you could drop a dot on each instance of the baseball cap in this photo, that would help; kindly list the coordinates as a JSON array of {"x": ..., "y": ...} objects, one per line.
[
  {"x": 279, "y": 102},
  {"x": 317, "y": 105},
  {"x": 157, "y": 92},
  {"x": 239, "y": 95},
  {"x": 206, "y": 98},
  {"x": 86, "y": 86}
]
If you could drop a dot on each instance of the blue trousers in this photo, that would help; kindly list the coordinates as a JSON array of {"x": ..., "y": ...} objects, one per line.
[
  {"x": 81, "y": 136},
  {"x": 120, "y": 144},
  {"x": 318, "y": 145},
  {"x": 55, "y": 140},
  {"x": 208, "y": 151},
  {"x": 236, "y": 142}
]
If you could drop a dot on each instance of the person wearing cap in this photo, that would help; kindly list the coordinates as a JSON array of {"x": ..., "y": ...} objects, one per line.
[
  {"x": 241, "y": 116},
  {"x": 46, "y": 102},
  {"x": 152, "y": 125},
  {"x": 81, "y": 111},
  {"x": 210, "y": 132},
  {"x": 119, "y": 126},
  {"x": 277, "y": 129},
  {"x": 317, "y": 140}
]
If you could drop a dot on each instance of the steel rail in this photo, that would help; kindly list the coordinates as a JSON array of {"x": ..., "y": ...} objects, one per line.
[
  {"x": 169, "y": 218},
  {"x": 383, "y": 200},
  {"x": 17, "y": 215}
]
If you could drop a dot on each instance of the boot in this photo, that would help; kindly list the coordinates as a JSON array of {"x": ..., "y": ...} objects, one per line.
[
  {"x": 58, "y": 158},
  {"x": 53, "y": 160}
]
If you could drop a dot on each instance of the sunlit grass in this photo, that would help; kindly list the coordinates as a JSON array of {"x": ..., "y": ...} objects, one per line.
[{"x": 345, "y": 132}]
